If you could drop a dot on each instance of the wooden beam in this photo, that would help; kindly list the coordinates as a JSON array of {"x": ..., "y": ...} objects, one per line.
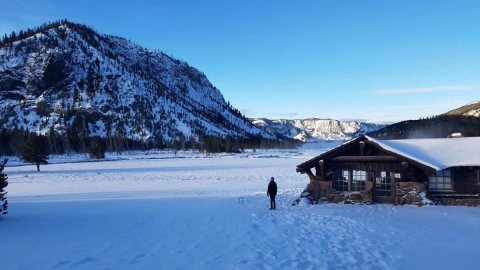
[
  {"x": 310, "y": 174},
  {"x": 366, "y": 158},
  {"x": 318, "y": 170},
  {"x": 373, "y": 166}
]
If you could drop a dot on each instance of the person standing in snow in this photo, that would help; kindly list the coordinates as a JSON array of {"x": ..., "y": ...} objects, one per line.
[{"x": 272, "y": 192}]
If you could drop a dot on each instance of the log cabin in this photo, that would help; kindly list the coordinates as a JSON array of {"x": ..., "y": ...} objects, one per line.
[{"x": 413, "y": 171}]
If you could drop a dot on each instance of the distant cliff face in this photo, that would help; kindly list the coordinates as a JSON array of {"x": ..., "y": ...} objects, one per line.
[
  {"x": 66, "y": 76},
  {"x": 314, "y": 129}
]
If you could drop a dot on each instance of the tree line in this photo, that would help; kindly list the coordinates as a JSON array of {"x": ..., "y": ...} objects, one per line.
[
  {"x": 34, "y": 148},
  {"x": 431, "y": 127},
  {"x": 14, "y": 36}
]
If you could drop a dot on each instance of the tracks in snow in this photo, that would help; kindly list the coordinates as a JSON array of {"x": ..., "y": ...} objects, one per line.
[{"x": 318, "y": 237}]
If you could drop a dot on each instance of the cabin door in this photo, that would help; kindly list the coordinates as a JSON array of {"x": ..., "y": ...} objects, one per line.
[{"x": 383, "y": 187}]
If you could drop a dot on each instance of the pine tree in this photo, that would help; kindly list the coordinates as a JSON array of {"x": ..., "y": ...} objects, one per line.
[
  {"x": 35, "y": 150},
  {"x": 3, "y": 193},
  {"x": 97, "y": 147}
]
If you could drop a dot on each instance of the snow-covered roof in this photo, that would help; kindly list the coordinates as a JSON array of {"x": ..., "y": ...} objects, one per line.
[
  {"x": 436, "y": 153},
  {"x": 433, "y": 154}
]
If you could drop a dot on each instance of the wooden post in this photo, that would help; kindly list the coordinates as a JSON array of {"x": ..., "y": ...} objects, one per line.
[
  {"x": 350, "y": 176},
  {"x": 322, "y": 168},
  {"x": 403, "y": 173},
  {"x": 394, "y": 187},
  {"x": 318, "y": 171},
  {"x": 362, "y": 148}
]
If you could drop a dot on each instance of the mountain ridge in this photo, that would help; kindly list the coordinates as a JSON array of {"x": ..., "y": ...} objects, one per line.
[
  {"x": 65, "y": 76},
  {"x": 315, "y": 129},
  {"x": 64, "y": 79},
  {"x": 470, "y": 109}
]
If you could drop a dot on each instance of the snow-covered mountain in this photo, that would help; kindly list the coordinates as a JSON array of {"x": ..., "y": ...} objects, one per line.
[
  {"x": 314, "y": 129},
  {"x": 65, "y": 76},
  {"x": 471, "y": 109}
]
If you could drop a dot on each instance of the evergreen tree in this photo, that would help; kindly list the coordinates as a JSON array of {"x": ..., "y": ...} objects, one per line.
[
  {"x": 97, "y": 147},
  {"x": 3, "y": 193},
  {"x": 90, "y": 81},
  {"x": 35, "y": 150},
  {"x": 17, "y": 140}
]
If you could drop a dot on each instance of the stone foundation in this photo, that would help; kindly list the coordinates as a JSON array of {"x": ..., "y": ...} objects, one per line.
[
  {"x": 457, "y": 201},
  {"x": 407, "y": 193},
  {"x": 322, "y": 192},
  {"x": 411, "y": 193},
  {"x": 314, "y": 192}
]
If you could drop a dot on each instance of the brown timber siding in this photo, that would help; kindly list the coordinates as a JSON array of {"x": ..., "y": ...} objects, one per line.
[{"x": 465, "y": 180}]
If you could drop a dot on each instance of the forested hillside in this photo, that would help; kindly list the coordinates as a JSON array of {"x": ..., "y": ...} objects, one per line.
[
  {"x": 68, "y": 83},
  {"x": 434, "y": 127},
  {"x": 471, "y": 109}
]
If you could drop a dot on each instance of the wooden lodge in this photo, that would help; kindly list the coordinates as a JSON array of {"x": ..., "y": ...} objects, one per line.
[{"x": 415, "y": 171}]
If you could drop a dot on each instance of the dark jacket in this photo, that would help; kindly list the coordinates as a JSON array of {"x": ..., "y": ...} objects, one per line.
[{"x": 272, "y": 188}]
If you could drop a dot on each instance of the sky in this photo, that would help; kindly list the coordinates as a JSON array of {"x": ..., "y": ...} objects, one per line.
[{"x": 378, "y": 61}]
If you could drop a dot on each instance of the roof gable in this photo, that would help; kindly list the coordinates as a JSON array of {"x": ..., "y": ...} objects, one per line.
[{"x": 330, "y": 153}]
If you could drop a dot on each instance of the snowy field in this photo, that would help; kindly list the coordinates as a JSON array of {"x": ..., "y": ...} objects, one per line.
[{"x": 211, "y": 212}]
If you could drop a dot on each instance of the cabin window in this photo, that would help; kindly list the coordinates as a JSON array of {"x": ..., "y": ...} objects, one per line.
[
  {"x": 358, "y": 180},
  {"x": 340, "y": 180},
  {"x": 441, "y": 181},
  {"x": 383, "y": 184}
]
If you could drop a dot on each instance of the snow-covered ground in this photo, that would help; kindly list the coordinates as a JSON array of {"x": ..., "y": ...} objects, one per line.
[{"x": 198, "y": 212}]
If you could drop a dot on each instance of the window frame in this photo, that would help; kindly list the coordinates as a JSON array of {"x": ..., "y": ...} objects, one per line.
[
  {"x": 345, "y": 183},
  {"x": 439, "y": 181},
  {"x": 384, "y": 183},
  {"x": 358, "y": 180}
]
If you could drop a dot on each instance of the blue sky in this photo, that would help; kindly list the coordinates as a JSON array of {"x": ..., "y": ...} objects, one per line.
[{"x": 377, "y": 61}]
